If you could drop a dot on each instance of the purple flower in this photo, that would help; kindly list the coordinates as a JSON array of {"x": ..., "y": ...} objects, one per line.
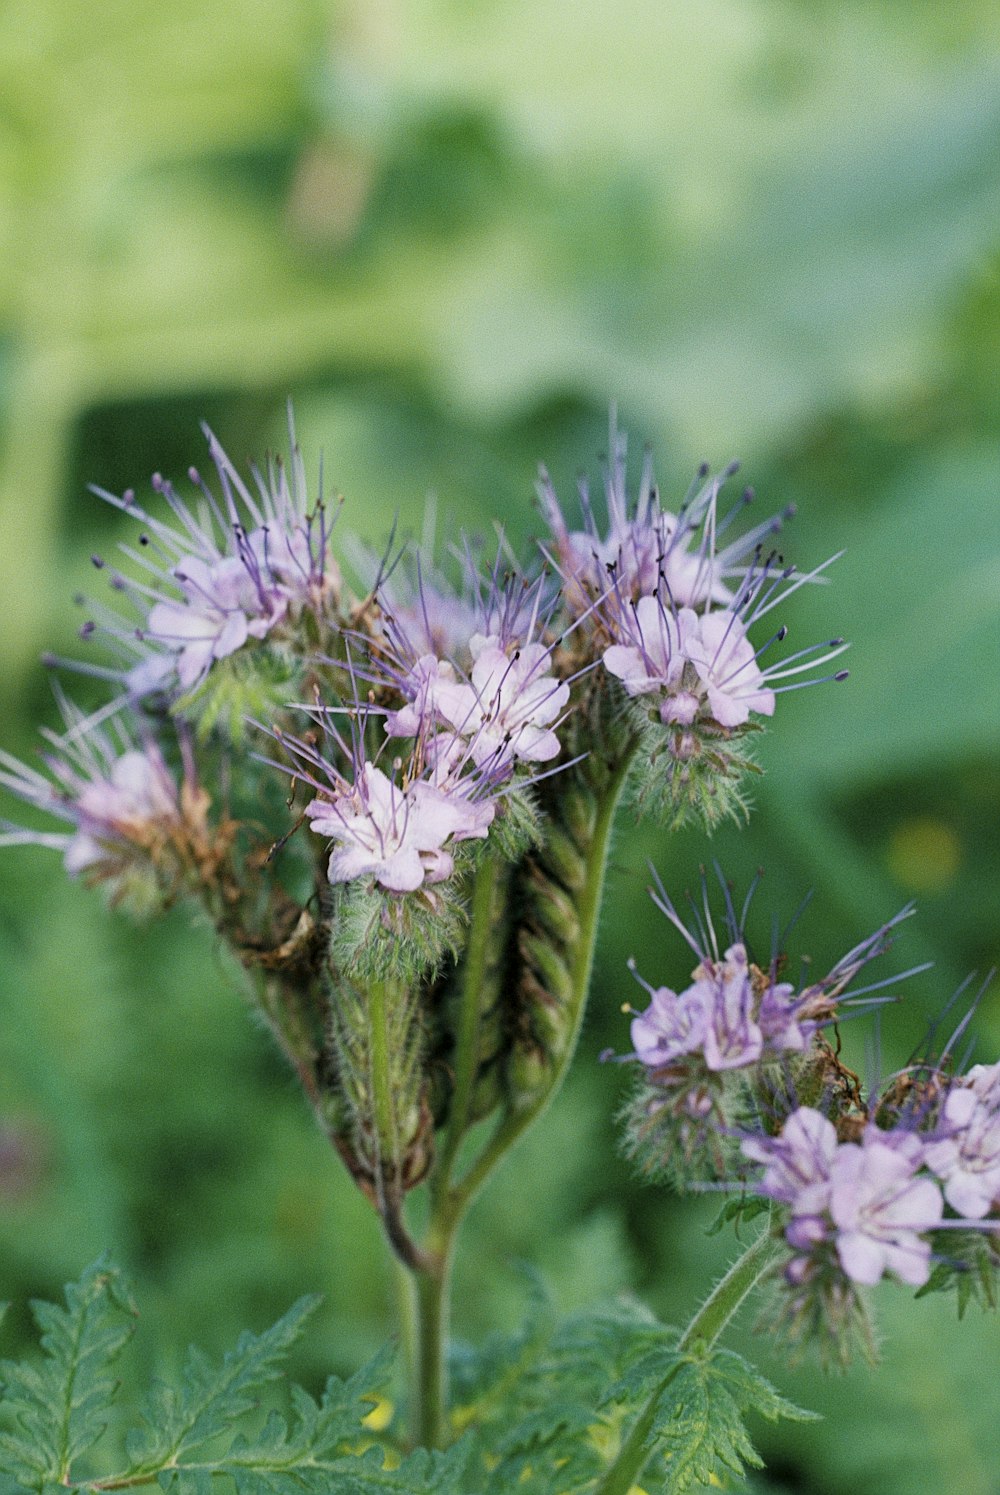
[
  {"x": 225, "y": 571},
  {"x": 732, "y": 1037},
  {"x": 724, "y": 1017},
  {"x": 797, "y": 1164},
  {"x": 395, "y": 835},
  {"x": 869, "y": 1200},
  {"x": 222, "y": 606},
  {"x": 653, "y": 660},
  {"x": 701, "y": 664},
  {"x": 880, "y": 1210},
  {"x": 509, "y": 706},
  {"x": 965, "y": 1152},
  {"x": 118, "y": 795},
  {"x": 725, "y": 664},
  {"x": 401, "y": 829},
  {"x": 644, "y": 547},
  {"x": 670, "y": 1027}
]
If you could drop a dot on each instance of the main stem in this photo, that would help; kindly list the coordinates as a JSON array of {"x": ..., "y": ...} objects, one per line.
[
  {"x": 703, "y": 1331},
  {"x": 432, "y": 1278},
  {"x": 431, "y": 1290}
]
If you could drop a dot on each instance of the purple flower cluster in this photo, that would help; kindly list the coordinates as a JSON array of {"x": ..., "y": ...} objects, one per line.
[
  {"x": 475, "y": 719},
  {"x": 731, "y": 1016},
  {"x": 118, "y": 795},
  {"x": 870, "y": 1201},
  {"x": 465, "y": 674},
  {"x": 964, "y": 1149},
  {"x": 398, "y": 829},
  {"x": 674, "y": 607},
  {"x": 227, "y": 571}
]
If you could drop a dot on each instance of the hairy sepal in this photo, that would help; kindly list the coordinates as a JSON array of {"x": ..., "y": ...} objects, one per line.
[
  {"x": 386, "y": 1150},
  {"x": 690, "y": 774}
]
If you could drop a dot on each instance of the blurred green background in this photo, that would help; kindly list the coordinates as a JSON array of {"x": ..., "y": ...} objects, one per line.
[{"x": 454, "y": 233}]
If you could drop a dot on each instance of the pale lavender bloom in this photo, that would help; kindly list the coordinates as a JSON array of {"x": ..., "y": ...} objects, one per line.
[
  {"x": 652, "y": 660},
  {"x": 732, "y": 1037},
  {"x": 644, "y": 547},
  {"x": 965, "y": 1151},
  {"x": 225, "y": 571},
  {"x": 722, "y": 1017},
  {"x": 781, "y": 1018},
  {"x": 433, "y": 610},
  {"x": 726, "y": 665},
  {"x": 397, "y": 835},
  {"x": 118, "y": 795},
  {"x": 508, "y": 708},
  {"x": 868, "y": 1200},
  {"x": 702, "y": 664},
  {"x": 671, "y": 1027},
  {"x": 880, "y": 1210},
  {"x": 798, "y": 1163},
  {"x": 222, "y": 607},
  {"x": 419, "y": 687},
  {"x": 399, "y": 830}
]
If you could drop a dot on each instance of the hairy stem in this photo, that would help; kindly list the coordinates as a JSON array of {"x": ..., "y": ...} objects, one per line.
[
  {"x": 701, "y": 1333},
  {"x": 431, "y": 1283},
  {"x": 389, "y": 1182}
]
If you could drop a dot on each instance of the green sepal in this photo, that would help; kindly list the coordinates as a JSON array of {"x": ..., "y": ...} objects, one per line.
[
  {"x": 252, "y": 684},
  {"x": 968, "y": 1264}
]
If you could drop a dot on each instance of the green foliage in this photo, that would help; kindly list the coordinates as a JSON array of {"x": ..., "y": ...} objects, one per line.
[
  {"x": 202, "y": 1427},
  {"x": 967, "y": 1263},
  {"x": 700, "y": 1432},
  {"x": 552, "y": 1405},
  {"x": 61, "y": 1408}
]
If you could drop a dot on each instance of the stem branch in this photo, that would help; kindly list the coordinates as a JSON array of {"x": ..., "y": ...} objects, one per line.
[{"x": 704, "y": 1329}]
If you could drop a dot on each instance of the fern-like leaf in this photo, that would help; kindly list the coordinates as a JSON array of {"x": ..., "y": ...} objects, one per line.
[
  {"x": 61, "y": 1407},
  {"x": 211, "y": 1398},
  {"x": 700, "y": 1431},
  {"x": 200, "y": 1437}
]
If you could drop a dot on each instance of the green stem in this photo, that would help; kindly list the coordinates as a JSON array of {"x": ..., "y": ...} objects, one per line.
[
  {"x": 430, "y": 1388},
  {"x": 431, "y": 1281},
  {"x": 388, "y": 1182},
  {"x": 701, "y": 1334},
  {"x": 469, "y": 1019}
]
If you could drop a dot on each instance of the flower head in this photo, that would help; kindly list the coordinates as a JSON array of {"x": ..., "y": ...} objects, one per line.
[
  {"x": 398, "y": 829},
  {"x": 642, "y": 547},
  {"x": 869, "y": 1201},
  {"x": 395, "y": 835},
  {"x": 116, "y": 793},
  {"x": 225, "y": 571}
]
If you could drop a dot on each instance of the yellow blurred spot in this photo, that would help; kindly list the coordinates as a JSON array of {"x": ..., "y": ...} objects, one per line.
[
  {"x": 380, "y": 1416},
  {"x": 924, "y": 854}
]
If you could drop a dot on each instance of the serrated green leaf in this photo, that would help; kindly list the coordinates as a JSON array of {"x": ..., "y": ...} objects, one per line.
[
  {"x": 211, "y": 1397},
  {"x": 61, "y": 1407},
  {"x": 700, "y": 1431}
]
